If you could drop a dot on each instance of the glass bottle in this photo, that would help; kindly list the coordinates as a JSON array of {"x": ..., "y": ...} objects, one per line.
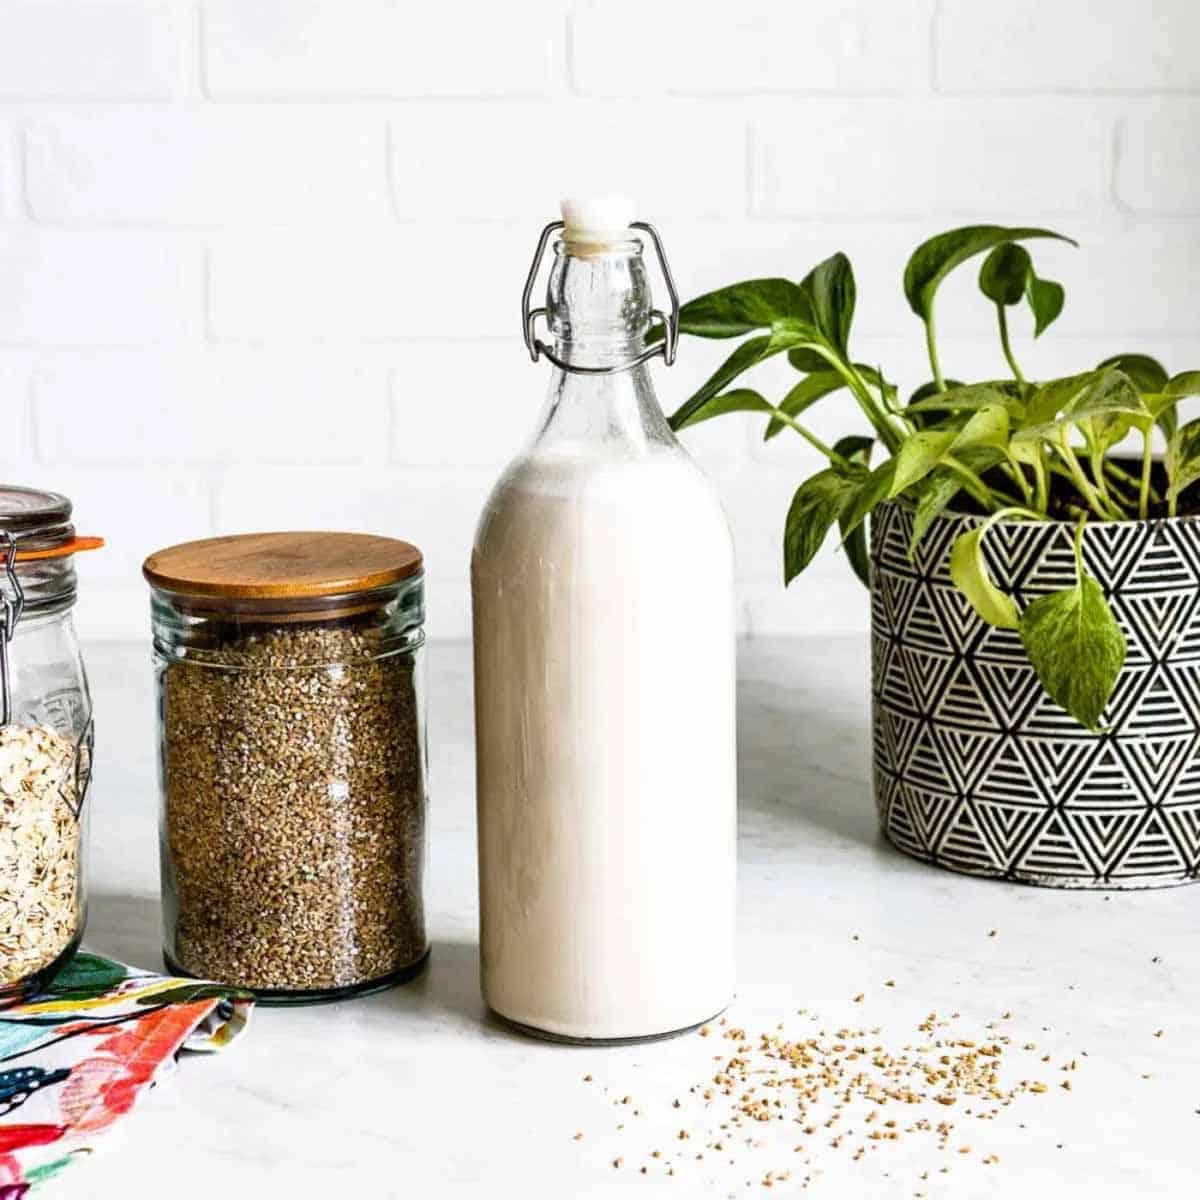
[
  {"x": 602, "y": 583},
  {"x": 45, "y": 742}
]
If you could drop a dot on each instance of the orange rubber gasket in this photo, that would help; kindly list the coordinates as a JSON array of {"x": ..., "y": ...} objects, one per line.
[{"x": 75, "y": 546}]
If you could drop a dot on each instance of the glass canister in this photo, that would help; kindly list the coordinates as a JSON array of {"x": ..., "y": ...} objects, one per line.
[
  {"x": 45, "y": 742},
  {"x": 292, "y": 761}
]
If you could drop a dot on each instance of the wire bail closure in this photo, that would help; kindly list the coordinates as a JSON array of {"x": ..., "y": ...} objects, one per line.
[
  {"x": 537, "y": 347},
  {"x": 11, "y": 608}
]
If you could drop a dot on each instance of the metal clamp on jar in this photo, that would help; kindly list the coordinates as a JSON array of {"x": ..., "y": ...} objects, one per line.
[{"x": 45, "y": 741}]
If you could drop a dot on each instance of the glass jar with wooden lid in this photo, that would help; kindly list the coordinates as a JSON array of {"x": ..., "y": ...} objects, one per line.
[{"x": 292, "y": 761}]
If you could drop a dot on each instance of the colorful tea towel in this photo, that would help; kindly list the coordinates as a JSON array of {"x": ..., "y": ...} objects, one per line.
[{"x": 75, "y": 1059}]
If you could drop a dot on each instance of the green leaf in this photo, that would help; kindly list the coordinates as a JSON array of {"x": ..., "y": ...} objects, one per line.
[
  {"x": 854, "y": 541},
  {"x": 817, "y": 504},
  {"x": 1117, "y": 408},
  {"x": 1101, "y": 393},
  {"x": 750, "y": 353},
  {"x": 1045, "y": 301},
  {"x": 964, "y": 398},
  {"x": 1168, "y": 421},
  {"x": 829, "y": 287},
  {"x": 855, "y": 447},
  {"x": 927, "y": 390},
  {"x": 939, "y": 488},
  {"x": 914, "y": 414},
  {"x": 1075, "y": 645},
  {"x": 807, "y": 360},
  {"x": 1004, "y": 273},
  {"x": 869, "y": 492},
  {"x": 934, "y": 259},
  {"x": 738, "y": 400},
  {"x": 857, "y": 553},
  {"x": 970, "y": 575},
  {"x": 1183, "y": 458},
  {"x": 987, "y": 427},
  {"x": 920, "y": 452},
  {"x": 1186, "y": 383},
  {"x": 1165, "y": 407},
  {"x": 1146, "y": 374},
  {"x": 744, "y": 307},
  {"x": 807, "y": 392}
]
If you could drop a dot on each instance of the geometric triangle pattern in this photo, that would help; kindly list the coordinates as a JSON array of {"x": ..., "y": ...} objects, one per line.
[{"x": 977, "y": 769}]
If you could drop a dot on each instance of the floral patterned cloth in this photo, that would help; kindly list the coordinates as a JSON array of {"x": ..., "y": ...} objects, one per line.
[{"x": 74, "y": 1060}]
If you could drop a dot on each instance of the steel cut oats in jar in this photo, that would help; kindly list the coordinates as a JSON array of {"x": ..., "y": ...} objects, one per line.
[{"x": 292, "y": 756}]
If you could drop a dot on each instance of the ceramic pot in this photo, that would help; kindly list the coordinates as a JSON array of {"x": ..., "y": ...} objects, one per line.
[{"x": 977, "y": 769}]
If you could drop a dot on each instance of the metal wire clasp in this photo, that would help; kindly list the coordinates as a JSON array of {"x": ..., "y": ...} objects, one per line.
[
  {"x": 537, "y": 347},
  {"x": 11, "y": 607}
]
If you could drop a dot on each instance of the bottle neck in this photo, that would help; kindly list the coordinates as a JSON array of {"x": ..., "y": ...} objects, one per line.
[
  {"x": 598, "y": 302},
  {"x": 598, "y": 305}
]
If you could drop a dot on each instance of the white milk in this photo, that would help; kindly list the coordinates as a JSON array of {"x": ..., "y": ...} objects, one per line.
[{"x": 604, "y": 705}]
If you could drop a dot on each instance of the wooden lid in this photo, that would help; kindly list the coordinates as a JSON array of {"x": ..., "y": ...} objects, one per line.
[{"x": 282, "y": 566}]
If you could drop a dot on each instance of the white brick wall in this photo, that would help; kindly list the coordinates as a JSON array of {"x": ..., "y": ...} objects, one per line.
[
  {"x": 908, "y": 158},
  {"x": 381, "y": 48},
  {"x": 98, "y": 52},
  {"x": 259, "y": 261},
  {"x": 213, "y": 167},
  {"x": 1093, "y": 46}
]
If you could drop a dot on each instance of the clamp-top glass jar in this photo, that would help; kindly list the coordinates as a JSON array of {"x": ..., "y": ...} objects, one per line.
[
  {"x": 45, "y": 742},
  {"x": 292, "y": 761}
]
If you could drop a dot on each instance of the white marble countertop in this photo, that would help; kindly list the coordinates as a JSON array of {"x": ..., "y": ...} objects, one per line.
[{"x": 413, "y": 1093}]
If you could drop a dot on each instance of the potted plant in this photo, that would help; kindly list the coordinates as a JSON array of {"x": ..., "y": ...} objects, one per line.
[{"x": 1035, "y": 599}]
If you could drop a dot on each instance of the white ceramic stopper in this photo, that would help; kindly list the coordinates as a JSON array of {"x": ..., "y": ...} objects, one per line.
[{"x": 597, "y": 220}]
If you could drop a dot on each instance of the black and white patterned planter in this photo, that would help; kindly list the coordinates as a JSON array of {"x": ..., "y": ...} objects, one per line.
[{"x": 977, "y": 769}]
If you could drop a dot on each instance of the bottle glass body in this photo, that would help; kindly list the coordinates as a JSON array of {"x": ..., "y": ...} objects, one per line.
[{"x": 602, "y": 581}]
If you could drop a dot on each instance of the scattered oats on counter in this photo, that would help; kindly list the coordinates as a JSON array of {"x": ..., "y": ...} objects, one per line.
[
  {"x": 852, "y": 1091},
  {"x": 40, "y": 912}
]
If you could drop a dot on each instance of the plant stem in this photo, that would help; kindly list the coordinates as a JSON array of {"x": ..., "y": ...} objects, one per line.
[
  {"x": 972, "y": 482},
  {"x": 1014, "y": 472},
  {"x": 1013, "y": 510},
  {"x": 1144, "y": 490},
  {"x": 931, "y": 346},
  {"x": 811, "y": 438},
  {"x": 1078, "y": 478},
  {"x": 1096, "y": 461},
  {"x": 988, "y": 497},
  {"x": 1041, "y": 477},
  {"x": 1122, "y": 491},
  {"x": 888, "y": 395},
  {"x": 880, "y": 421},
  {"x": 1002, "y": 317},
  {"x": 1133, "y": 482}
]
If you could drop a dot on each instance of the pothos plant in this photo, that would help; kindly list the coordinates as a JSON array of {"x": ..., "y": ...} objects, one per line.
[{"x": 1008, "y": 449}]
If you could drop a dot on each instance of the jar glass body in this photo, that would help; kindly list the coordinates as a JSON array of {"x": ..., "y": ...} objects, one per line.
[
  {"x": 45, "y": 770},
  {"x": 602, "y": 584},
  {"x": 292, "y": 772}
]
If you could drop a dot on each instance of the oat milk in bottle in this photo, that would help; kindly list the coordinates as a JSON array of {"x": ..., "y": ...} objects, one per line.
[{"x": 602, "y": 579}]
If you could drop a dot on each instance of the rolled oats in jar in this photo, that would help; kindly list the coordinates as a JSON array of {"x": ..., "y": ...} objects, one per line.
[
  {"x": 45, "y": 742},
  {"x": 292, "y": 761}
]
